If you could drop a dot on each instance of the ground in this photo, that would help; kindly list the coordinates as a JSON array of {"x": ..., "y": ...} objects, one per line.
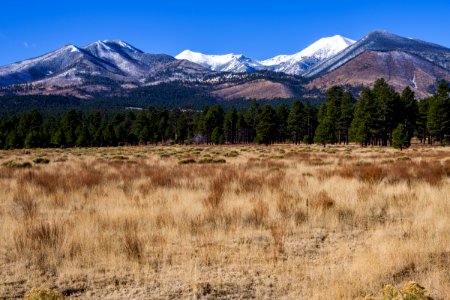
[{"x": 229, "y": 222}]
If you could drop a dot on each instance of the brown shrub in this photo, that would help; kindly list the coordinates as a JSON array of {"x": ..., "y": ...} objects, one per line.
[
  {"x": 399, "y": 171},
  {"x": 164, "y": 219},
  {"x": 40, "y": 240},
  {"x": 278, "y": 232},
  {"x": 446, "y": 166},
  {"x": 133, "y": 245},
  {"x": 345, "y": 216},
  {"x": 249, "y": 184},
  {"x": 25, "y": 203},
  {"x": 7, "y": 173},
  {"x": 364, "y": 192},
  {"x": 259, "y": 213},
  {"x": 369, "y": 173},
  {"x": 286, "y": 205},
  {"x": 275, "y": 180},
  {"x": 300, "y": 217},
  {"x": 431, "y": 172},
  {"x": 321, "y": 201},
  {"x": 215, "y": 197},
  {"x": 51, "y": 181}
]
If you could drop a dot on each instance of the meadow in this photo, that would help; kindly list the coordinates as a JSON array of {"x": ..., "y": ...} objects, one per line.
[{"x": 227, "y": 222}]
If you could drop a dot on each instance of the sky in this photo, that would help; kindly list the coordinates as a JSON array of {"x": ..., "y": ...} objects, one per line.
[{"x": 259, "y": 29}]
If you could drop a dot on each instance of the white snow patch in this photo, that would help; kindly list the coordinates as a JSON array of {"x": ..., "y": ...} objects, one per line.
[
  {"x": 414, "y": 81},
  {"x": 322, "y": 49},
  {"x": 292, "y": 64},
  {"x": 72, "y": 48}
]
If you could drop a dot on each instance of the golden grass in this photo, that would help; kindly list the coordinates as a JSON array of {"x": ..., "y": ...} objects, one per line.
[{"x": 285, "y": 221}]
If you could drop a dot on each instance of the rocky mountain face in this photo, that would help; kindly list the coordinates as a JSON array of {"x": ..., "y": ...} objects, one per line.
[
  {"x": 97, "y": 66},
  {"x": 401, "y": 61},
  {"x": 110, "y": 68}
]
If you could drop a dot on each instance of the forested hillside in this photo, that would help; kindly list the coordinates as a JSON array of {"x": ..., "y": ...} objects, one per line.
[{"x": 380, "y": 116}]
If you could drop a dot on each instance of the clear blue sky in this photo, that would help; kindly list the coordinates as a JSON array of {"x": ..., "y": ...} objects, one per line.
[{"x": 259, "y": 29}]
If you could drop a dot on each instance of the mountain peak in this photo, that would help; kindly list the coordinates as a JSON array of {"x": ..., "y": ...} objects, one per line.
[
  {"x": 301, "y": 61},
  {"x": 71, "y": 48},
  {"x": 111, "y": 46},
  {"x": 326, "y": 47},
  {"x": 225, "y": 62},
  {"x": 121, "y": 44}
]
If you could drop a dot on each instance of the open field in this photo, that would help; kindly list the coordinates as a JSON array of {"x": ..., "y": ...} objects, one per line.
[{"x": 278, "y": 222}]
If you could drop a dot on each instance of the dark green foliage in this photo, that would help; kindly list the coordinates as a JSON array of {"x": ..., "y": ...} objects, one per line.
[
  {"x": 400, "y": 137},
  {"x": 335, "y": 117},
  {"x": 380, "y": 117},
  {"x": 438, "y": 120},
  {"x": 410, "y": 111},
  {"x": 41, "y": 160},
  {"x": 296, "y": 122},
  {"x": 267, "y": 126},
  {"x": 380, "y": 110}
]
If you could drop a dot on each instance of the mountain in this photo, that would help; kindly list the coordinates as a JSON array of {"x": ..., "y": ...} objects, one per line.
[
  {"x": 301, "y": 62},
  {"x": 401, "y": 61},
  {"x": 99, "y": 66},
  {"x": 295, "y": 64},
  {"x": 115, "y": 68},
  {"x": 235, "y": 63}
]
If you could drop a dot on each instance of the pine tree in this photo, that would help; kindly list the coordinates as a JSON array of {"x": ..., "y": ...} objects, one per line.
[
  {"x": 13, "y": 141},
  {"x": 346, "y": 117},
  {"x": 251, "y": 118},
  {"x": 267, "y": 126},
  {"x": 422, "y": 120},
  {"x": 400, "y": 137},
  {"x": 388, "y": 104},
  {"x": 33, "y": 139},
  {"x": 295, "y": 121},
  {"x": 282, "y": 115},
  {"x": 438, "y": 120},
  {"x": 410, "y": 111},
  {"x": 230, "y": 125},
  {"x": 58, "y": 139},
  {"x": 213, "y": 118},
  {"x": 363, "y": 119},
  {"x": 217, "y": 136},
  {"x": 310, "y": 123},
  {"x": 324, "y": 133}
]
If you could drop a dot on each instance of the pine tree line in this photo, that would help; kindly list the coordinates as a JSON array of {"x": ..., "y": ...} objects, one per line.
[
  {"x": 380, "y": 117},
  {"x": 384, "y": 117}
]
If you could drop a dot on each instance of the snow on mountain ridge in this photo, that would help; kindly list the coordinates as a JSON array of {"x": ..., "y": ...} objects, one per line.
[
  {"x": 300, "y": 62},
  {"x": 294, "y": 64},
  {"x": 227, "y": 62}
]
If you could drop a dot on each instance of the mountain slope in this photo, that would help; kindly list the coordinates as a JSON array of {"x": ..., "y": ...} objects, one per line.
[
  {"x": 383, "y": 41},
  {"x": 295, "y": 64},
  {"x": 53, "y": 64},
  {"x": 236, "y": 63},
  {"x": 302, "y": 61},
  {"x": 101, "y": 65},
  {"x": 401, "y": 61}
]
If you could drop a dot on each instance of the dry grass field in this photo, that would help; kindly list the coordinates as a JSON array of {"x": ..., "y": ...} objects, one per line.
[{"x": 229, "y": 222}]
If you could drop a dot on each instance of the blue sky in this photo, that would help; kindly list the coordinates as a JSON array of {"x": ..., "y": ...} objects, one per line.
[{"x": 259, "y": 29}]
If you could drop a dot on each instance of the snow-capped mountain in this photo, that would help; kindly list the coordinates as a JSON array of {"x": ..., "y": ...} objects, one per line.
[
  {"x": 113, "y": 67},
  {"x": 295, "y": 64},
  {"x": 380, "y": 54},
  {"x": 384, "y": 41},
  {"x": 235, "y": 63},
  {"x": 302, "y": 61},
  {"x": 99, "y": 62}
]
